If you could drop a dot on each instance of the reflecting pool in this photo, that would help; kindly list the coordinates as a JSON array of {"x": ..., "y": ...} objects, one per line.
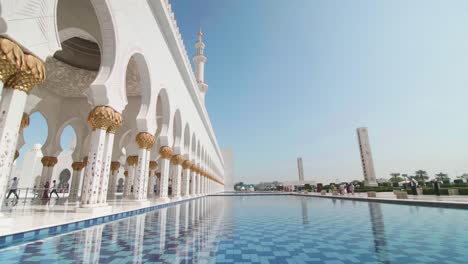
[{"x": 264, "y": 229}]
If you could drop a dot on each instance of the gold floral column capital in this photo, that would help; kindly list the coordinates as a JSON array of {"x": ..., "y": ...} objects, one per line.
[
  {"x": 125, "y": 173},
  {"x": 24, "y": 122},
  {"x": 153, "y": 165},
  {"x": 165, "y": 152},
  {"x": 85, "y": 161},
  {"x": 11, "y": 59},
  {"x": 105, "y": 118},
  {"x": 48, "y": 161},
  {"x": 145, "y": 140},
  {"x": 31, "y": 74},
  {"x": 78, "y": 165},
  {"x": 115, "y": 165},
  {"x": 177, "y": 159},
  {"x": 187, "y": 164},
  {"x": 132, "y": 160}
]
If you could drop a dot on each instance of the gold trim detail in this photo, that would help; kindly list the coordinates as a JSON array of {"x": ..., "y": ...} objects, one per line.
[
  {"x": 31, "y": 74},
  {"x": 177, "y": 159},
  {"x": 153, "y": 165},
  {"x": 165, "y": 152},
  {"x": 49, "y": 161},
  {"x": 132, "y": 160},
  {"x": 145, "y": 140},
  {"x": 105, "y": 118},
  {"x": 78, "y": 165},
  {"x": 11, "y": 59},
  {"x": 115, "y": 165},
  {"x": 187, "y": 164}
]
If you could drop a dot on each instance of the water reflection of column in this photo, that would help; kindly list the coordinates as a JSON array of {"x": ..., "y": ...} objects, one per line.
[
  {"x": 115, "y": 232},
  {"x": 90, "y": 242},
  {"x": 192, "y": 212},
  {"x": 378, "y": 230},
  {"x": 176, "y": 220},
  {"x": 185, "y": 215},
  {"x": 305, "y": 213},
  {"x": 198, "y": 210},
  {"x": 162, "y": 228},
  {"x": 204, "y": 240},
  {"x": 139, "y": 238}
]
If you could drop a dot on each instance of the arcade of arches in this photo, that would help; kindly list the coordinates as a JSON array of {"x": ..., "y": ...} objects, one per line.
[{"x": 136, "y": 106}]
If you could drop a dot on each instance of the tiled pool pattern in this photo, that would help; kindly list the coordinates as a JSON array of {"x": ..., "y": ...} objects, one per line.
[{"x": 263, "y": 229}]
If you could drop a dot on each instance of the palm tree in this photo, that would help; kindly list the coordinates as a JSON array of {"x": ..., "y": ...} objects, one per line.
[
  {"x": 395, "y": 175},
  {"x": 421, "y": 175},
  {"x": 442, "y": 176}
]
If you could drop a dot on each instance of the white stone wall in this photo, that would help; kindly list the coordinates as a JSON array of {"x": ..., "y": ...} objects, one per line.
[{"x": 228, "y": 156}]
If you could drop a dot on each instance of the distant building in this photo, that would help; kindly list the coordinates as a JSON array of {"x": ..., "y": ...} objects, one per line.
[
  {"x": 228, "y": 158},
  {"x": 366, "y": 157},
  {"x": 300, "y": 169},
  {"x": 296, "y": 185}
]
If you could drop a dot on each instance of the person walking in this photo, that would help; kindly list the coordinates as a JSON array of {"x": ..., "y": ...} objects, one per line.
[
  {"x": 45, "y": 193},
  {"x": 436, "y": 187},
  {"x": 413, "y": 185},
  {"x": 13, "y": 188},
  {"x": 351, "y": 188},
  {"x": 54, "y": 189}
]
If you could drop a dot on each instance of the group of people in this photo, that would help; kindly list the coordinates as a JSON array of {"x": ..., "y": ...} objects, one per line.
[
  {"x": 45, "y": 194},
  {"x": 343, "y": 188},
  {"x": 414, "y": 184}
]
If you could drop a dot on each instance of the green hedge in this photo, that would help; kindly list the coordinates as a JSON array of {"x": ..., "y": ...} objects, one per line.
[{"x": 374, "y": 189}]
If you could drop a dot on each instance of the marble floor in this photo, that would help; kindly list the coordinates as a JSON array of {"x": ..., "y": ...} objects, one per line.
[{"x": 25, "y": 215}]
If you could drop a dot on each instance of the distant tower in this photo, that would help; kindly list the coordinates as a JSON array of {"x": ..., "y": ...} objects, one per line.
[
  {"x": 366, "y": 157},
  {"x": 300, "y": 169},
  {"x": 199, "y": 60}
]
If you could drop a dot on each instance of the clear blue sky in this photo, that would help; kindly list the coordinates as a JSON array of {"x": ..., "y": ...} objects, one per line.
[{"x": 296, "y": 78}]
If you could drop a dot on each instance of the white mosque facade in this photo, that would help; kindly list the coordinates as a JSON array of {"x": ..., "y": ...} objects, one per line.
[{"x": 127, "y": 88}]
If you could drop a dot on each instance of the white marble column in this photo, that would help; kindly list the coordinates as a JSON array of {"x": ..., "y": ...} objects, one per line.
[
  {"x": 145, "y": 142},
  {"x": 93, "y": 172},
  {"x": 176, "y": 171},
  {"x": 15, "y": 85},
  {"x": 106, "y": 168},
  {"x": 48, "y": 164},
  {"x": 152, "y": 179},
  {"x": 193, "y": 174},
  {"x": 140, "y": 187},
  {"x": 130, "y": 179},
  {"x": 127, "y": 183},
  {"x": 186, "y": 165},
  {"x": 198, "y": 183},
  {"x": 166, "y": 153},
  {"x": 101, "y": 119},
  {"x": 112, "y": 187},
  {"x": 76, "y": 178}
]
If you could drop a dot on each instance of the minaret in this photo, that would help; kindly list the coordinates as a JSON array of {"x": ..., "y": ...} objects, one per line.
[
  {"x": 199, "y": 60},
  {"x": 366, "y": 157}
]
